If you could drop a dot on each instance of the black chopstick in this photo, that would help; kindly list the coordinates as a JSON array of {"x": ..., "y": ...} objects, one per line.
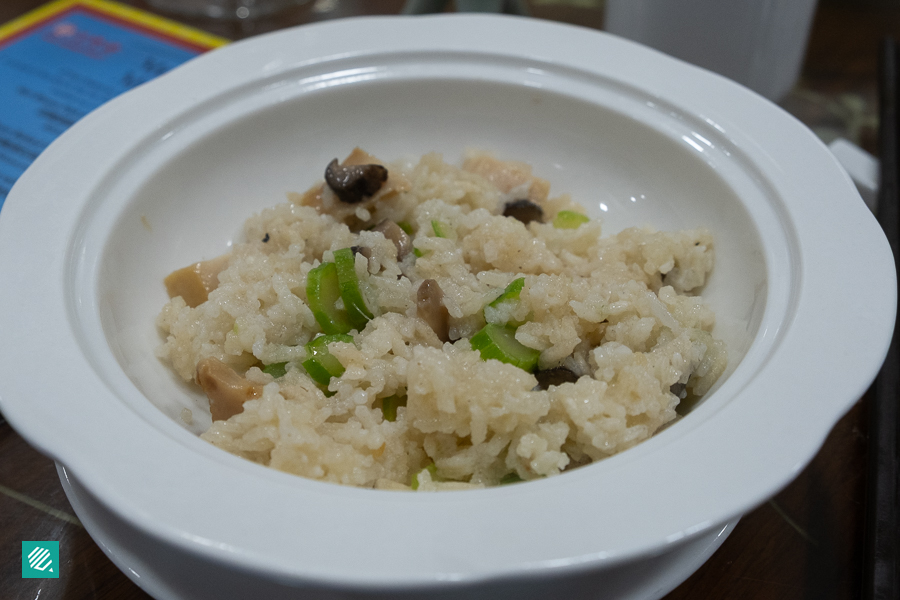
[{"x": 882, "y": 557}]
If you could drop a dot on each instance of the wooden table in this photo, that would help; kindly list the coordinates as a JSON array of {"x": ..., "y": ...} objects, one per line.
[{"x": 805, "y": 543}]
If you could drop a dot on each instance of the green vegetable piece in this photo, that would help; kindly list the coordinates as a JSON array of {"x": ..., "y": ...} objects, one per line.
[
  {"x": 569, "y": 219},
  {"x": 432, "y": 468},
  {"x": 406, "y": 227},
  {"x": 322, "y": 291},
  {"x": 511, "y": 292},
  {"x": 389, "y": 406},
  {"x": 348, "y": 283},
  {"x": 509, "y": 478},
  {"x": 500, "y": 309},
  {"x": 418, "y": 253},
  {"x": 321, "y": 364},
  {"x": 499, "y": 342},
  {"x": 442, "y": 230},
  {"x": 276, "y": 370}
]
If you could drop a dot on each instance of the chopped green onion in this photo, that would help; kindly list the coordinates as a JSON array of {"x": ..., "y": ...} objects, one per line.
[
  {"x": 389, "y": 406},
  {"x": 348, "y": 282},
  {"x": 322, "y": 292},
  {"x": 569, "y": 219},
  {"x": 321, "y": 364},
  {"x": 418, "y": 253},
  {"x": 406, "y": 227},
  {"x": 511, "y": 292},
  {"x": 442, "y": 230},
  {"x": 432, "y": 468},
  {"x": 499, "y": 342},
  {"x": 500, "y": 309},
  {"x": 512, "y": 477},
  {"x": 276, "y": 370}
]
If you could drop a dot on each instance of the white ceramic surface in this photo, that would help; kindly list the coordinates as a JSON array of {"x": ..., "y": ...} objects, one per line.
[
  {"x": 166, "y": 174},
  {"x": 167, "y": 572}
]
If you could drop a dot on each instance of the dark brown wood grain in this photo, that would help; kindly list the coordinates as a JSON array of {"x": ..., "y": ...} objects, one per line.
[{"x": 804, "y": 544}]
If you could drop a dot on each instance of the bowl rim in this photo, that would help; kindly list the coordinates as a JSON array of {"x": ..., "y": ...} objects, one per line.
[{"x": 821, "y": 205}]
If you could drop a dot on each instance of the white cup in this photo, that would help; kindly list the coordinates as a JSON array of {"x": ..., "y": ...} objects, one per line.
[
  {"x": 758, "y": 43},
  {"x": 224, "y": 9}
]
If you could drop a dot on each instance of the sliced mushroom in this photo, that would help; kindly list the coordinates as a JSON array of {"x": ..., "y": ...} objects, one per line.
[
  {"x": 556, "y": 376},
  {"x": 227, "y": 391},
  {"x": 431, "y": 309},
  {"x": 354, "y": 183},
  {"x": 524, "y": 210},
  {"x": 508, "y": 175},
  {"x": 311, "y": 197},
  {"x": 366, "y": 252},
  {"x": 393, "y": 232},
  {"x": 194, "y": 283}
]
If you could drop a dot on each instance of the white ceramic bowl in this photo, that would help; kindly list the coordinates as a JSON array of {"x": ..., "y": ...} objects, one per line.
[{"x": 804, "y": 289}]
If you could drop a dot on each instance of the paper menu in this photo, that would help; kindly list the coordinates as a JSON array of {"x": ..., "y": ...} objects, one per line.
[{"x": 68, "y": 57}]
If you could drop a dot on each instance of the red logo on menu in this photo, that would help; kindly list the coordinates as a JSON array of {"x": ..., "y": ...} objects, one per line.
[{"x": 68, "y": 36}]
